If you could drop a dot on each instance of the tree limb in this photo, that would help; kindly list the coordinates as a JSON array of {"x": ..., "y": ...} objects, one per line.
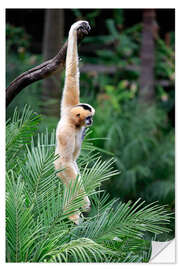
[{"x": 41, "y": 71}]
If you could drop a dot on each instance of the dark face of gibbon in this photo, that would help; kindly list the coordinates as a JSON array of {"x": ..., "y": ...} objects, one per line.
[{"x": 82, "y": 115}]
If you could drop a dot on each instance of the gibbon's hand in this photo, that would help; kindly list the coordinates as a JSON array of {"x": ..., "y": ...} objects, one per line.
[{"x": 83, "y": 29}]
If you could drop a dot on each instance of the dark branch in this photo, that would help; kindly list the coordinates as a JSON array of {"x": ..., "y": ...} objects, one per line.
[{"x": 39, "y": 72}]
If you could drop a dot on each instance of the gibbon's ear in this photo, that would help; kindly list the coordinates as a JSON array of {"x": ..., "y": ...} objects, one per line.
[{"x": 76, "y": 112}]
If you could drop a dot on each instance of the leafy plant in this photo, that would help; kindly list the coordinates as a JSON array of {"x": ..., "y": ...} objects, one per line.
[
  {"x": 165, "y": 70},
  {"x": 19, "y": 59},
  {"x": 38, "y": 206},
  {"x": 120, "y": 49},
  {"x": 143, "y": 147},
  {"x": 17, "y": 38},
  {"x": 90, "y": 16}
]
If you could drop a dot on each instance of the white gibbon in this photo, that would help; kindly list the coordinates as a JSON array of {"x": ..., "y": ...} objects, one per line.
[{"x": 75, "y": 117}]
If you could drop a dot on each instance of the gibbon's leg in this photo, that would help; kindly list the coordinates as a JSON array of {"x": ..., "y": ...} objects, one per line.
[
  {"x": 70, "y": 174},
  {"x": 87, "y": 203},
  {"x": 71, "y": 87},
  {"x": 70, "y": 171},
  {"x": 67, "y": 174}
]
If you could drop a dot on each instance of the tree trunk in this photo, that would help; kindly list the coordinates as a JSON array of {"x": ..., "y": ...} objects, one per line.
[
  {"x": 146, "y": 80},
  {"x": 52, "y": 41}
]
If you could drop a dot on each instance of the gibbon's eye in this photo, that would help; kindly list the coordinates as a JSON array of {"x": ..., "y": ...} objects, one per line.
[{"x": 78, "y": 115}]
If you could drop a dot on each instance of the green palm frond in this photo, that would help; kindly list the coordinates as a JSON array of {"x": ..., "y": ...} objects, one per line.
[
  {"x": 38, "y": 205},
  {"x": 19, "y": 132},
  {"x": 59, "y": 204},
  {"x": 21, "y": 229},
  {"x": 73, "y": 196},
  {"x": 89, "y": 152},
  {"x": 99, "y": 172},
  {"x": 130, "y": 249},
  {"x": 126, "y": 220},
  {"x": 81, "y": 250},
  {"x": 38, "y": 169},
  {"x": 99, "y": 202},
  {"x": 88, "y": 146}
]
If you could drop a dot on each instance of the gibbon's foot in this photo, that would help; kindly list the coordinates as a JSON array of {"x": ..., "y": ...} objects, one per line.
[
  {"x": 75, "y": 218},
  {"x": 87, "y": 205}
]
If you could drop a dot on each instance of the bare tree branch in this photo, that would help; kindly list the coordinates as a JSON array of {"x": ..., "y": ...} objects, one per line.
[{"x": 39, "y": 72}]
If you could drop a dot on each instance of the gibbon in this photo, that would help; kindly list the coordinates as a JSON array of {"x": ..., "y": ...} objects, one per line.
[{"x": 75, "y": 117}]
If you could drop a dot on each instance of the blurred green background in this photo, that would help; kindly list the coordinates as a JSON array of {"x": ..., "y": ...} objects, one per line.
[{"x": 127, "y": 66}]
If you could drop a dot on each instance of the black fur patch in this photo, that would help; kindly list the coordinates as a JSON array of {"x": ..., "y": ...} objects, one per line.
[{"x": 86, "y": 107}]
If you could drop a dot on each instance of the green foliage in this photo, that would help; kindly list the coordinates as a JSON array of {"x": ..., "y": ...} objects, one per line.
[
  {"x": 125, "y": 45},
  {"x": 119, "y": 16},
  {"x": 165, "y": 65},
  {"x": 16, "y": 39},
  {"x": 143, "y": 147},
  {"x": 116, "y": 221},
  {"x": 38, "y": 204},
  {"x": 165, "y": 70},
  {"x": 19, "y": 133},
  {"x": 18, "y": 60},
  {"x": 90, "y": 16},
  {"x": 120, "y": 94},
  {"x": 140, "y": 140},
  {"x": 121, "y": 49}
]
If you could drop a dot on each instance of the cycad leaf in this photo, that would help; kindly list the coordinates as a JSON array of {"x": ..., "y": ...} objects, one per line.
[
  {"x": 38, "y": 206},
  {"x": 38, "y": 171},
  {"x": 99, "y": 172},
  {"x": 21, "y": 229},
  {"x": 81, "y": 250},
  {"x": 19, "y": 132},
  {"x": 126, "y": 220}
]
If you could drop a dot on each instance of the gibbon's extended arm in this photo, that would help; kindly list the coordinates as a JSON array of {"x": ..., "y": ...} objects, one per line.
[
  {"x": 41, "y": 71},
  {"x": 71, "y": 87}
]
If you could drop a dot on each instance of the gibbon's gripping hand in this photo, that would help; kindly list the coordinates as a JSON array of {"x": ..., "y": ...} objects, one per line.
[{"x": 83, "y": 29}]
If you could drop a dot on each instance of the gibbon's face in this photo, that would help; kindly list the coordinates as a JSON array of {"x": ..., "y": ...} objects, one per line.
[{"x": 82, "y": 115}]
